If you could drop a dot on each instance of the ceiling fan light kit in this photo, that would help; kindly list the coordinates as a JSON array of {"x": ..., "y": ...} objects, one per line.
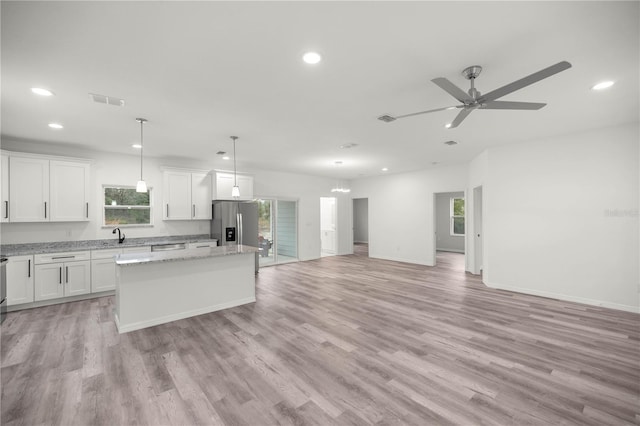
[{"x": 473, "y": 99}]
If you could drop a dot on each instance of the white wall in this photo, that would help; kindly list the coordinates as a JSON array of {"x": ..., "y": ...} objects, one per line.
[
  {"x": 562, "y": 217},
  {"x": 124, "y": 170},
  {"x": 444, "y": 240},
  {"x": 401, "y": 222}
]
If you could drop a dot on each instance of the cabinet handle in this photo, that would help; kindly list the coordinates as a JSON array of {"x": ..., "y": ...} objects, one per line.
[
  {"x": 6, "y": 210},
  {"x": 194, "y": 210},
  {"x": 45, "y": 209},
  {"x": 167, "y": 210},
  {"x": 87, "y": 210},
  {"x": 29, "y": 269},
  {"x": 60, "y": 275},
  {"x": 63, "y": 257},
  {"x": 66, "y": 274}
]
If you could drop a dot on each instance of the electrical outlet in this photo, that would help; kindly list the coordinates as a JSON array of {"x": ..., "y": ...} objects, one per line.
[{"x": 68, "y": 232}]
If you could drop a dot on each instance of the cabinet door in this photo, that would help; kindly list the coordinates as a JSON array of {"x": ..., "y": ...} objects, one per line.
[
  {"x": 49, "y": 281},
  {"x": 201, "y": 196},
  {"x": 224, "y": 185},
  {"x": 245, "y": 183},
  {"x": 4, "y": 191},
  {"x": 29, "y": 189},
  {"x": 103, "y": 275},
  {"x": 177, "y": 196},
  {"x": 69, "y": 191},
  {"x": 19, "y": 280},
  {"x": 77, "y": 278}
]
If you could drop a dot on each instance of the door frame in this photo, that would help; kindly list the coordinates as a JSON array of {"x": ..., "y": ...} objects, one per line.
[{"x": 435, "y": 223}]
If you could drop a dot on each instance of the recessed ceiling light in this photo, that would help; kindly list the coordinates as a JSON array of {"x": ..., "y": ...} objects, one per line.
[
  {"x": 603, "y": 85},
  {"x": 311, "y": 58},
  {"x": 226, "y": 158},
  {"x": 56, "y": 126},
  {"x": 41, "y": 92},
  {"x": 338, "y": 163},
  {"x": 385, "y": 169},
  {"x": 448, "y": 125},
  {"x": 136, "y": 146}
]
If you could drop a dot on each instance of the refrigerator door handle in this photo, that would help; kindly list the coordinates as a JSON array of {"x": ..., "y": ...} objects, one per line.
[{"x": 240, "y": 236}]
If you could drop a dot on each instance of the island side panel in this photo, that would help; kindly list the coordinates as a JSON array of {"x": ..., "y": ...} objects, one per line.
[{"x": 153, "y": 293}]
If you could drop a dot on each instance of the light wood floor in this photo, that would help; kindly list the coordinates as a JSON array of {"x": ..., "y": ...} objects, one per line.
[{"x": 341, "y": 340}]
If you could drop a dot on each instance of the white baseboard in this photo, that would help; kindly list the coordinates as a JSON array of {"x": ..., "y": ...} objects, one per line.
[{"x": 568, "y": 298}]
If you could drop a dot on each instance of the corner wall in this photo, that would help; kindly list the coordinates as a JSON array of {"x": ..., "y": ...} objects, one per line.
[{"x": 562, "y": 219}]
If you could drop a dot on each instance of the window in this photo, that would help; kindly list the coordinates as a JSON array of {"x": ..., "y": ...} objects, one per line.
[
  {"x": 457, "y": 216},
  {"x": 123, "y": 206}
]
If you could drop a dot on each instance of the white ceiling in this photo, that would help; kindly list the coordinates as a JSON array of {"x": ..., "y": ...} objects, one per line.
[{"x": 202, "y": 71}]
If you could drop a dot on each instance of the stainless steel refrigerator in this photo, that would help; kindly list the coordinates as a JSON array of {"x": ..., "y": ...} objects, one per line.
[{"x": 235, "y": 222}]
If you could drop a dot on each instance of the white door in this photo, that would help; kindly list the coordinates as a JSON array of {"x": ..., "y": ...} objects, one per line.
[
  {"x": 29, "y": 189},
  {"x": 19, "y": 280},
  {"x": 69, "y": 191},
  {"x": 77, "y": 277},
  {"x": 49, "y": 281},
  {"x": 4, "y": 191},
  {"x": 177, "y": 195},
  {"x": 201, "y": 196},
  {"x": 328, "y": 225}
]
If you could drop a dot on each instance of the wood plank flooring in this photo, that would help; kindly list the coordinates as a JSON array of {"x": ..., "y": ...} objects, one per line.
[{"x": 337, "y": 341}]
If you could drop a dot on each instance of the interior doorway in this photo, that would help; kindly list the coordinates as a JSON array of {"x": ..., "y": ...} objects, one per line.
[
  {"x": 449, "y": 229},
  {"x": 361, "y": 226},
  {"x": 328, "y": 218},
  {"x": 477, "y": 231}
]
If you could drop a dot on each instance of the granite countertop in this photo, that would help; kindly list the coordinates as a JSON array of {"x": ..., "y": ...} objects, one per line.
[
  {"x": 62, "y": 246},
  {"x": 132, "y": 259}
]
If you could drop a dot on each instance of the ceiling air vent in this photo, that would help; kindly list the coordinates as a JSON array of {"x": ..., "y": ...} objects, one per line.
[{"x": 104, "y": 99}]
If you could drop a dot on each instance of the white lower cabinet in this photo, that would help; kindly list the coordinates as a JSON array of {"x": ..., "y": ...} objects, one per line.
[
  {"x": 62, "y": 275},
  {"x": 19, "y": 280},
  {"x": 103, "y": 267}
]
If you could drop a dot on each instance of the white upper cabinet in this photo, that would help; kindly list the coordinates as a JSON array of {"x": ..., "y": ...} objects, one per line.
[
  {"x": 187, "y": 195},
  {"x": 4, "y": 191},
  {"x": 177, "y": 195},
  {"x": 46, "y": 190},
  {"x": 225, "y": 183},
  {"x": 29, "y": 189},
  {"x": 201, "y": 195},
  {"x": 69, "y": 194}
]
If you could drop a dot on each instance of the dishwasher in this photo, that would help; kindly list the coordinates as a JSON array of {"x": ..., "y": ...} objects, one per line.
[{"x": 168, "y": 247}]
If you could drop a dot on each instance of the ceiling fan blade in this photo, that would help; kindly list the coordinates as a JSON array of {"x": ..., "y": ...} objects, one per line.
[
  {"x": 512, "y": 105},
  {"x": 461, "y": 116},
  {"x": 452, "y": 89},
  {"x": 524, "y": 82}
]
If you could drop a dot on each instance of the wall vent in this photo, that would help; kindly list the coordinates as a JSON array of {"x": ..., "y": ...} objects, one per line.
[{"x": 104, "y": 99}]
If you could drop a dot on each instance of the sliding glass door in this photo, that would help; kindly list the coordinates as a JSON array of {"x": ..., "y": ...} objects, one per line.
[{"x": 278, "y": 231}]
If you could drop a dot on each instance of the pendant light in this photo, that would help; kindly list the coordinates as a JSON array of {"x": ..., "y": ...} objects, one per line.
[
  {"x": 235, "y": 192},
  {"x": 142, "y": 185}
]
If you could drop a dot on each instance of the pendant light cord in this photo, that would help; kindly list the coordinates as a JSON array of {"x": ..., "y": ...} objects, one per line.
[
  {"x": 141, "y": 147},
  {"x": 235, "y": 179}
]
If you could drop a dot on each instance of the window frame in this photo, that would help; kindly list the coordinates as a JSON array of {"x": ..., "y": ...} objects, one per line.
[
  {"x": 452, "y": 218},
  {"x": 131, "y": 225}
]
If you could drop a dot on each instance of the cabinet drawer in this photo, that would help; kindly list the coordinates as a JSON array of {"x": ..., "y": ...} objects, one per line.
[
  {"x": 70, "y": 256},
  {"x": 105, "y": 253},
  {"x": 203, "y": 244}
]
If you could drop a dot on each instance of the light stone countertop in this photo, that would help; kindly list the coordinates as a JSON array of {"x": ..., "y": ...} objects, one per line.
[
  {"x": 132, "y": 259},
  {"x": 62, "y": 246}
]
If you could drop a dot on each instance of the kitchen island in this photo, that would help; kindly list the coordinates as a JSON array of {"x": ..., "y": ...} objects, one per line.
[{"x": 158, "y": 287}]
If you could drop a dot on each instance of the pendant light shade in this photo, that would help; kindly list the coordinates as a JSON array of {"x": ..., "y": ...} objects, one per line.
[
  {"x": 235, "y": 192},
  {"x": 142, "y": 185}
]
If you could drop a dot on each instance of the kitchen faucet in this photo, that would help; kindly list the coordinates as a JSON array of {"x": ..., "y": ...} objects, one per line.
[{"x": 120, "y": 238}]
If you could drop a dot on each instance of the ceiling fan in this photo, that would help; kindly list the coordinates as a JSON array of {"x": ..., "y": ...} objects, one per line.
[{"x": 474, "y": 100}]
